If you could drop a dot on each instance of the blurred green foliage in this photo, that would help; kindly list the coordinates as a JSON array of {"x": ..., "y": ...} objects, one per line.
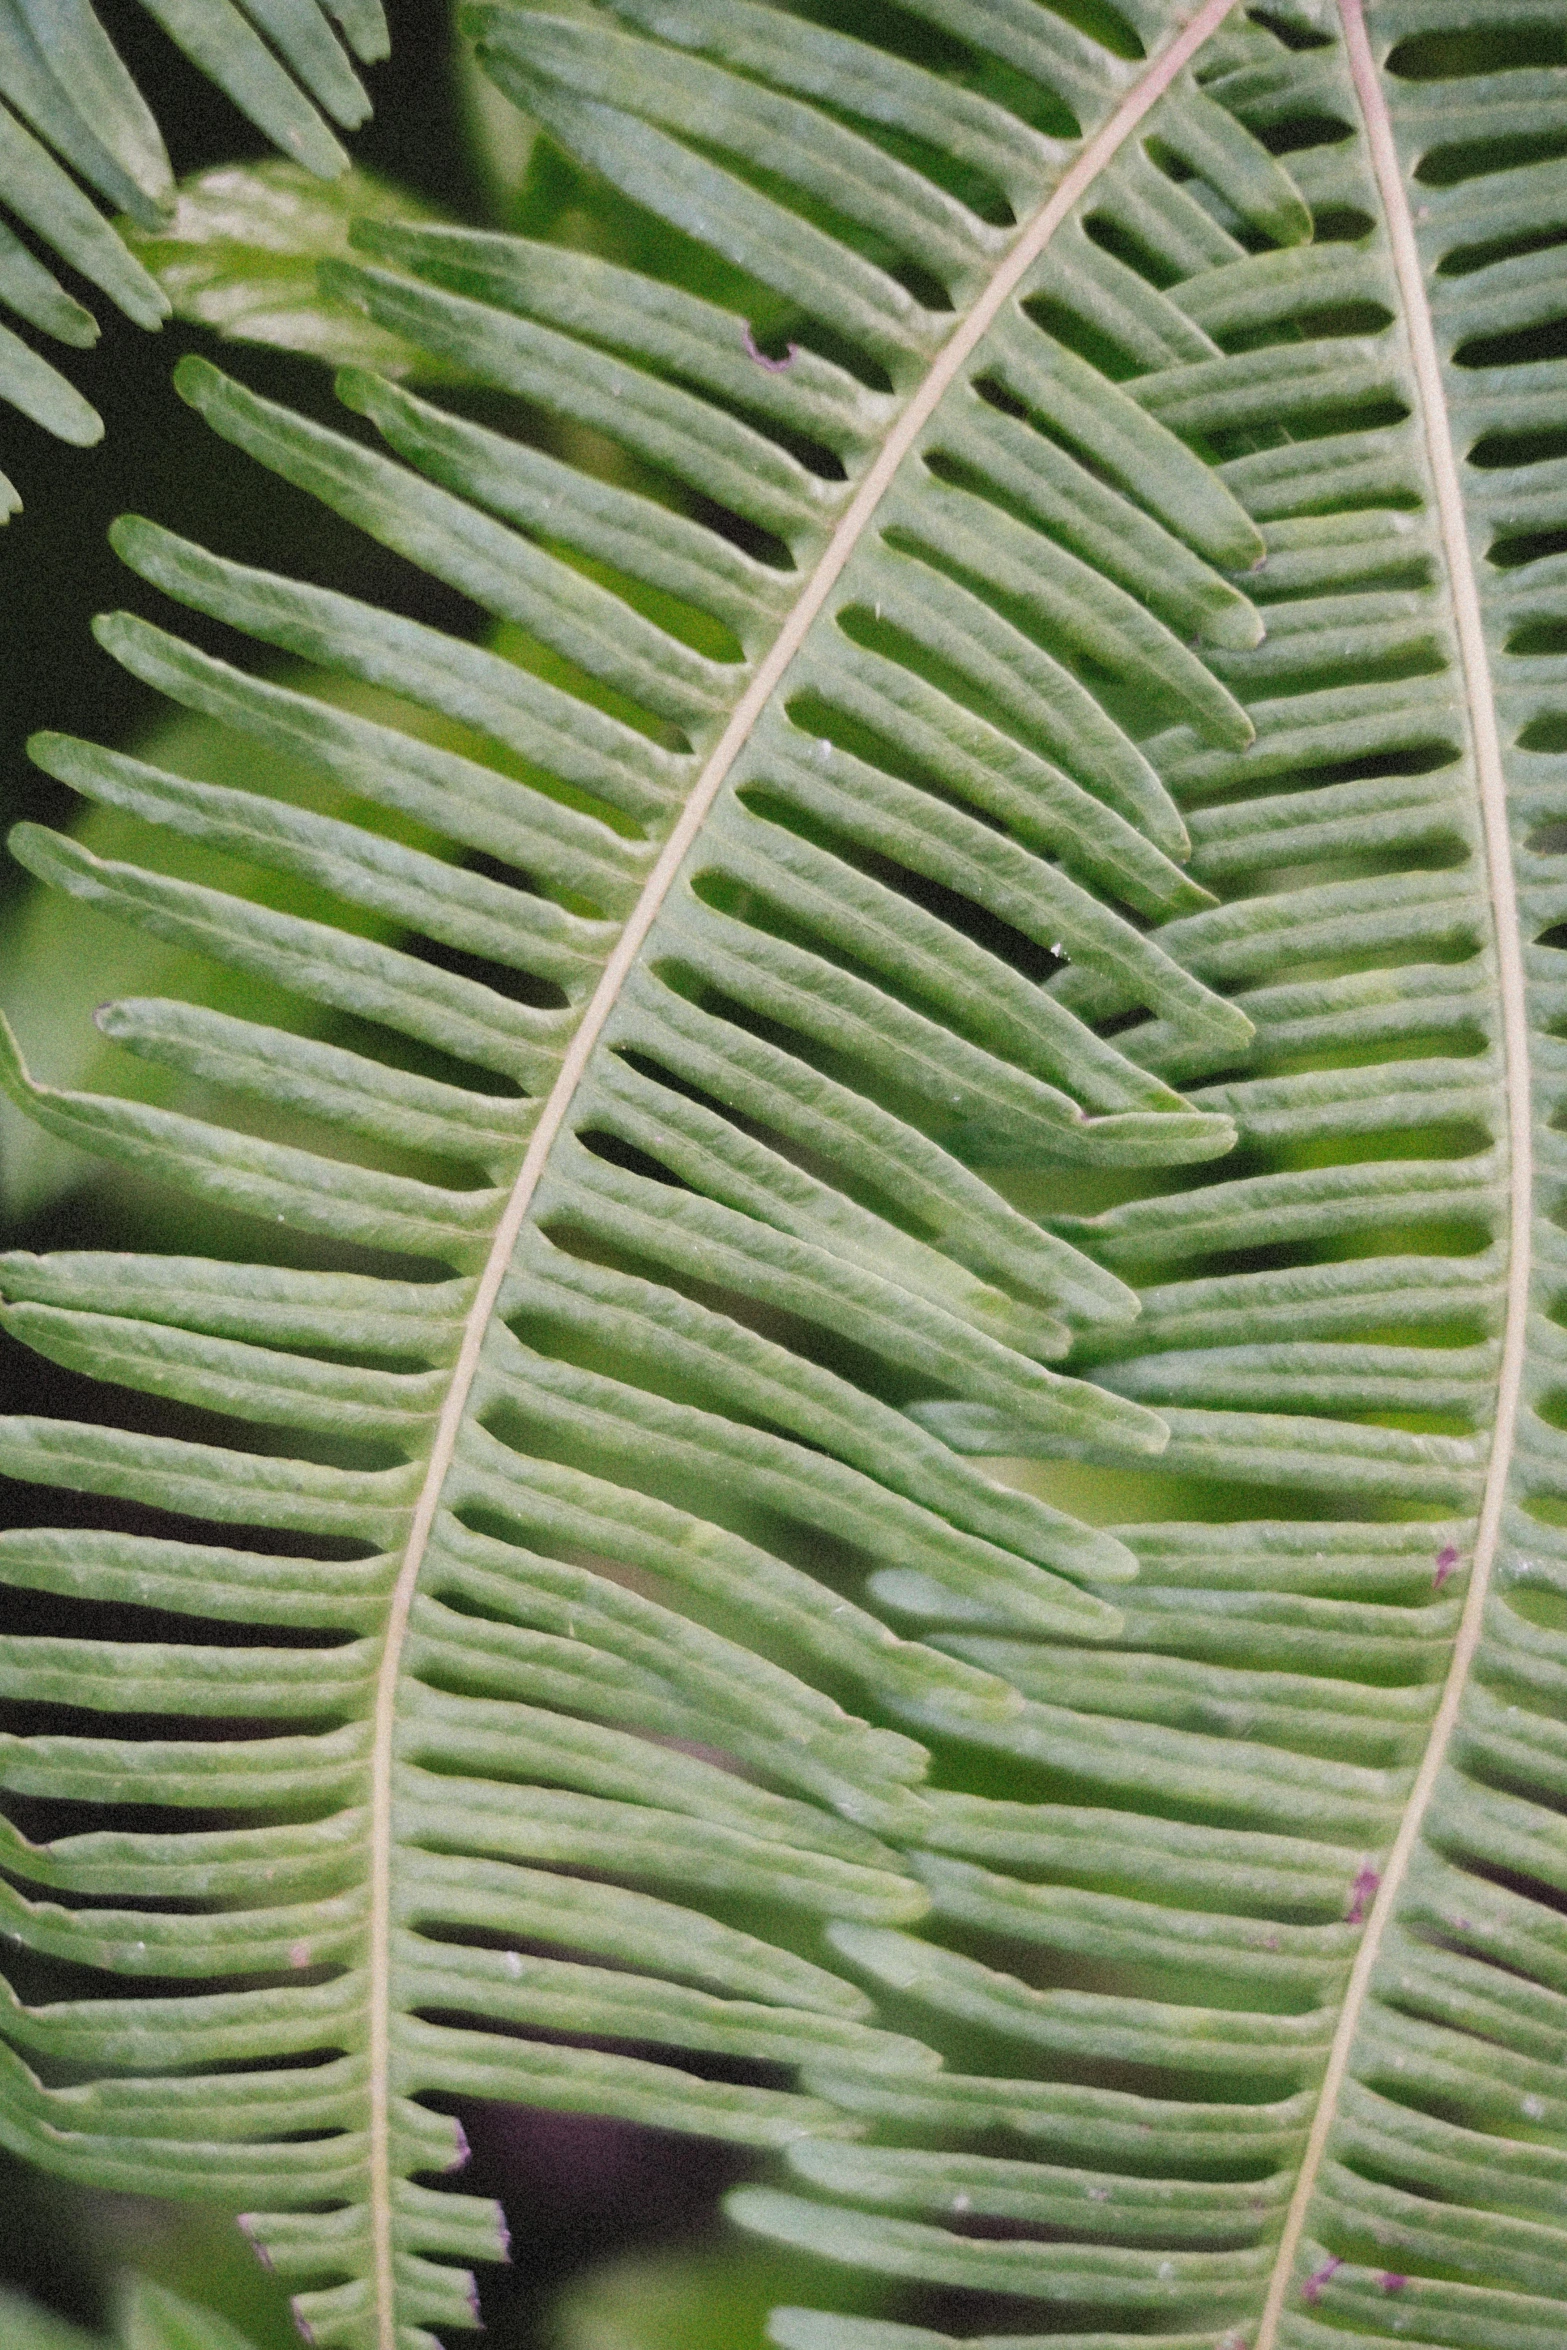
[{"x": 715, "y": 2300}]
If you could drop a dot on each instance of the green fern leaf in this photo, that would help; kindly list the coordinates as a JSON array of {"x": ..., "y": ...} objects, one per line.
[
  {"x": 70, "y": 107},
  {"x": 1048, "y": 736}
]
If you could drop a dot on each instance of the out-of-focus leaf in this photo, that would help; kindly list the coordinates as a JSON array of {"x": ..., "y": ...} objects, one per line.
[
  {"x": 24, "y": 2326},
  {"x": 72, "y": 114},
  {"x": 715, "y": 2300},
  {"x": 239, "y": 254},
  {"x": 500, "y": 136},
  {"x": 149, "y": 2318},
  {"x": 152, "y": 2318}
]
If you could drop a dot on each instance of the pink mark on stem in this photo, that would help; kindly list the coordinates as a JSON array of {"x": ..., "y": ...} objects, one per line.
[
  {"x": 1446, "y": 1561},
  {"x": 1361, "y": 1895},
  {"x": 773, "y": 366},
  {"x": 461, "y": 2152},
  {"x": 1392, "y": 2282},
  {"x": 1311, "y": 2290},
  {"x": 303, "y": 2328},
  {"x": 299, "y": 1954}
]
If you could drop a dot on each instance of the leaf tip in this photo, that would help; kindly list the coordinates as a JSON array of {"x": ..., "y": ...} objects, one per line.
[
  {"x": 43, "y": 745},
  {"x": 197, "y": 380},
  {"x": 126, "y": 532},
  {"x": 355, "y": 387},
  {"x": 246, "y": 2223}
]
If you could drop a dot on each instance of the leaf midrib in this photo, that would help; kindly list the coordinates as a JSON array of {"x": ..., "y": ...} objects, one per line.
[
  {"x": 845, "y": 538},
  {"x": 1491, "y": 783}
]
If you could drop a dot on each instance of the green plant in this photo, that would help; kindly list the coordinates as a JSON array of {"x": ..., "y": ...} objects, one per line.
[
  {"x": 148, "y": 2319},
  {"x": 74, "y": 104},
  {"x": 993, "y": 894}
]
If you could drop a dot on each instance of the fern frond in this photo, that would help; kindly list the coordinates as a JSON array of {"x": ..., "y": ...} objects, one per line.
[
  {"x": 877, "y": 794},
  {"x": 1359, "y": 1357},
  {"x": 69, "y": 107}
]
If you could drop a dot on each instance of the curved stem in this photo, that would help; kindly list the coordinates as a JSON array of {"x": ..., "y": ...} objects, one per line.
[
  {"x": 850, "y": 530},
  {"x": 1491, "y": 784}
]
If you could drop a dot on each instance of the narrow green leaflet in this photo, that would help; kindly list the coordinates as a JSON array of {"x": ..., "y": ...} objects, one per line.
[
  {"x": 987, "y": 893},
  {"x": 74, "y": 127}
]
